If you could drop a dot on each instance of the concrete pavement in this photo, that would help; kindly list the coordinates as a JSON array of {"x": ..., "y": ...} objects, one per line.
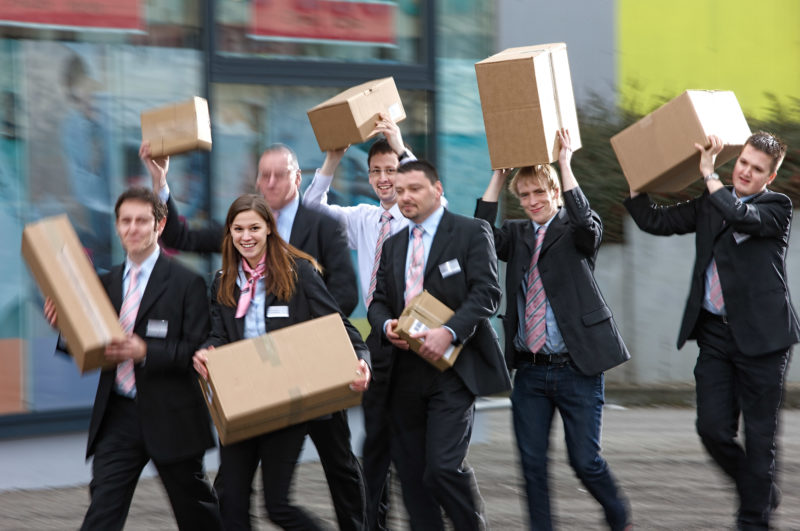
[{"x": 654, "y": 453}]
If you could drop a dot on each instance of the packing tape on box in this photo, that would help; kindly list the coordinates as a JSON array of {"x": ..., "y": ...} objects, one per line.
[
  {"x": 69, "y": 264},
  {"x": 266, "y": 350},
  {"x": 553, "y": 77}
]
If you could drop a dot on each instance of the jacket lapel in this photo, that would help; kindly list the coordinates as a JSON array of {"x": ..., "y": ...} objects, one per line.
[
  {"x": 156, "y": 285},
  {"x": 399, "y": 258},
  {"x": 115, "y": 287},
  {"x": 439, "y": 243},
  {"x": 555, "y": 230},
  {"x": 300, "y": 228}
]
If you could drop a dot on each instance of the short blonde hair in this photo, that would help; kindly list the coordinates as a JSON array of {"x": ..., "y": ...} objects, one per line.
[{"x": 542, "y": 174}]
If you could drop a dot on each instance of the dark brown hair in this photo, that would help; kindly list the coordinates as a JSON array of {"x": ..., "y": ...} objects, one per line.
[
  {"x": 281, "y": 274},
  {"x": 421, "y": 165},
  {"x": 144, "y": 195},
  {"x": 771, "y": 145}
]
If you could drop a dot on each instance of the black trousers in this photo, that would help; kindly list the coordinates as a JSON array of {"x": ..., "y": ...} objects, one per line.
[
  {"x": 730, "y": 384},
  {"x": 118, "y": 461},
  {"x": 331, "y": 436},
  {"x": 432, "y": 418},
  {"x": 376, "y": 453},
  {"x": 278, "y": 453}
]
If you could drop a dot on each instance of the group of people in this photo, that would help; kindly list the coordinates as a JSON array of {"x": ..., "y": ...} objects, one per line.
[{"x": 285, "y": 259}]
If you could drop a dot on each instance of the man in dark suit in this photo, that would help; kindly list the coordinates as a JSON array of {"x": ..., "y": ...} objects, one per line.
[
  {"x": 150, "y": 407},
  {"x": 323, "y": 238},
  {"x": 560, "y": 334},
  {"x": 453, "y": 258},
  {"x": 738, "y": 310}
]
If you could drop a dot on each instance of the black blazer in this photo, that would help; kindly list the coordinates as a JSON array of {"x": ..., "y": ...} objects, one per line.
[
  {"x": 748, "y": 241},
  {"x": 313, "y": 232},
  {"x": 474, "y": 294},
  {"x": 311, "y": 299},
  {"x": 566, "y": 265},
  {"x": 172, "y": 413}
]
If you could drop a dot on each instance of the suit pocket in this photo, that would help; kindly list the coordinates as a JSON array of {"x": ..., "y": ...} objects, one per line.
[{"x": 597, "y": 316}]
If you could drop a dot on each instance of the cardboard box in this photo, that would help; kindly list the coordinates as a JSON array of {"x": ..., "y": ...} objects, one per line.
[
  {"x": 294, "y": 374},
  {"x": 177, "y": 128},
  {"x": 350, "y": 116},
  {"x": 657, "y": 153},
  {"x": 526, "y": 96},
  {"x": 423, "y": 313},
  {"x": 86, "y": 316}
]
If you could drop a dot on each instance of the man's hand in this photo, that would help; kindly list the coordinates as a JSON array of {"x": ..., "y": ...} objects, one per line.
[
  {"x": 50, "y": 312},
  {"x": 565, "y": 152},
  {"x": 389, "y": 129},
  {"x": 158, "y": 167},
  {"x": 496, "y": 184},
  {"x": 132, "y": 347},
  {"x": 396, "y": 340},
  {"x": 199, "y": 361},
  {"x": 363, "y": 377},
  {"x": 709, "y": 154},
  {"x": 332, "y": 160},
  {"x": 436, "y": 341}
]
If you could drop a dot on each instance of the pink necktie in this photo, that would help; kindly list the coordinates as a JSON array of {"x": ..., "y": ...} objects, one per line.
[
  {"x": 386, "y": 217},
  {"x": 249, "y": 290},
  {"x": 415, "y": 270},
  {"x": 535, "y": 325},
  {"x": 714, "y": 288},
  {"x": 126, "y": 379}
]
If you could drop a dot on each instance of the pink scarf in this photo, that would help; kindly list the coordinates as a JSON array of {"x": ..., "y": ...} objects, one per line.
[{"x": 250, "y": 289}]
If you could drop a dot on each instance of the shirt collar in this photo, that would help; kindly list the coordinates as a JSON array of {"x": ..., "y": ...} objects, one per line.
[
  {"x": 745, "y": 198},
  {"x": 431, "y": 223},
  {"x": 547, "y": 223}
]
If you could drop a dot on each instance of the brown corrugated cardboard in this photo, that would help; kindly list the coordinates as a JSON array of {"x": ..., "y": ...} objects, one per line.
[
  {"x": 657, "y": 153},
  {"x": 177, "y": 128},
  {"x": 423, "y": 313},
  {"x": 350, "y": 116},
  {"x": 526, "y": 96},
  {"x": 288, "y": 376},
  {"x": 86, "y": 317}
]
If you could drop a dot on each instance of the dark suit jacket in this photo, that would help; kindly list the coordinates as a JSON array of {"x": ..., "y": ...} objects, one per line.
[
  {"x": 316, "y": 233},
  {"x": 173, "y": 416},
  {"x": 473, "y": 293},
  {"x": 311, "y": 299},
  {"x": 566, "y": 265},
  {"x": 750, "y": 250}
]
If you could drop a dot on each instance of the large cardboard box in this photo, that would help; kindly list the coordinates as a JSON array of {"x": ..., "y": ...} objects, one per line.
[
  {"x": 86, "y": 317},
  {"x": 177, "y": 128},
  {"x": 423, "y": 313},
  {"x": 282, "y": 378},
  {"x": 526, "y": 96},
  {"x": 350, "y": 116},
  {"x": 657, "y": 153}
]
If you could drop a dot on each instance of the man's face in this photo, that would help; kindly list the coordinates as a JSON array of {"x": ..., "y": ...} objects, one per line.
[
  {"x": 137, "y": 228},
  {"x": 752, "y": 173},
  {"x": 538, "y": 200},
  {"x": 382, "y": 171},
  {"x": 278, "y": 178},
  {"x": 417, "y": 197}
]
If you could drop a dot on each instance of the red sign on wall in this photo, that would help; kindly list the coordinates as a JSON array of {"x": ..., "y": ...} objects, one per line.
[
  {"x": 111, "y": 14},
  {"x": 337, "y": 20}
]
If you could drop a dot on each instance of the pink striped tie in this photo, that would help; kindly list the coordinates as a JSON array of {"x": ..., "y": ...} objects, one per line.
[
  {"x": 414, "y": 273},
  {"x": 535, "y": 325},
  {"x": 126, "y": 379},
  {"x": 386, "y": 217},
  {"x": 714, "y": 288}
]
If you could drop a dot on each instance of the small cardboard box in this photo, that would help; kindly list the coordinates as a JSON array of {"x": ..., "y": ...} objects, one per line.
[
  {"x": 526, "y": 96},
  {"x": 60, "y": 267},
  {"x": 350, "y": 116},
  {"x": 177, "y": 128},
  {"x": 423, "y": 313},
  {"x": 657, "y": 153},
  {"x": 294, "y": 374}
]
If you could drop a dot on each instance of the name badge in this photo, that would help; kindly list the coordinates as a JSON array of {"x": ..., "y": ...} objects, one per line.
[
  {"x": 740, "y": 237},
  {"x": 277, "y": 311},
  {"x": 157, "y": 328},
  {"x": 449, "y": 268}
]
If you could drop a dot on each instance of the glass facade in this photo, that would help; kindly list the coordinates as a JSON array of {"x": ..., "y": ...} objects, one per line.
[{"x": 72, "y": 86}]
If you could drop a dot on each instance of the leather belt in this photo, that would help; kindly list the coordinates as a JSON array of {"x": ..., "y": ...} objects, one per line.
[
  {"x": 540, "y": 358},
  {"x": 714, "y": 317}
]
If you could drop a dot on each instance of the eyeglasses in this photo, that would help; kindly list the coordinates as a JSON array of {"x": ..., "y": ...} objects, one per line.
[{"x": 387, "y": 171}]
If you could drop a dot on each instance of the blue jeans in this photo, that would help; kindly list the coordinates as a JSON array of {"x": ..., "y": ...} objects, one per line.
[{"x": 538, "y": 391}]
